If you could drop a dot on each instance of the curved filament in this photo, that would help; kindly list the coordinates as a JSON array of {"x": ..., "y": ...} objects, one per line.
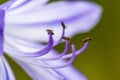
[
  {"x": 63, "y": 33},
  {"x": 58, "y": 66},
  {"x": 60, "y": 55},
  {"x": 41, "y": 52},
  {"x": 77, "y": 52},
  {"x": 66, "y": 56}
]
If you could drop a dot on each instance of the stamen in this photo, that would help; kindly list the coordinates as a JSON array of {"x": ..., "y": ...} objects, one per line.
[
  {"x": 60, "y": 55},
  {"x": 57, "y": 66},
  {"x": 86, "y": 40},
  {"x": 63, "y": 33},
  {"x": 66, "y": 38},
  {"x": 37, "y": 53},
  {"x": 50, "y": 31},
  {"x": 63, "y": 25},
  {"x": 47, "y": 48}
]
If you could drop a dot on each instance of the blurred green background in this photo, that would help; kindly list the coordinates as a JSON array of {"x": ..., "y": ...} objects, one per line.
[{"x": 101, "y": 60}]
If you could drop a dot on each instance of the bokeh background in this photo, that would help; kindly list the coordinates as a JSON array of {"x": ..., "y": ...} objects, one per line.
[{"x": 101, "y": 60}]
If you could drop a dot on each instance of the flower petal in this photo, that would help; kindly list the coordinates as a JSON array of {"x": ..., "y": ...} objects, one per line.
[
  {"x": 5, "y": 70},
  {"x": 79, "y": 16},
  {"x": 22, "y": 6},
  {"x": 21, "y": 44},
  {"x": 36, "y": 72},
  {"x": 7, "y": 4},
  {"x": 2, "y": 15}
]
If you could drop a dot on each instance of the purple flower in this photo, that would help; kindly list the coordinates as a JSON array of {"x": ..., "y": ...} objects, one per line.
[{"x": 23, "y": 25}]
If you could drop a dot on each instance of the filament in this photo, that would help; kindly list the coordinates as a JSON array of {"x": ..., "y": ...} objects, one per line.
[
  {"x": 57, "y": 66},
  {"x": 77, "y": 52},
  {"x": 41, "y": 52},
  {"x": 60, "y": 55},
  {"x": 63, "y": 33}
]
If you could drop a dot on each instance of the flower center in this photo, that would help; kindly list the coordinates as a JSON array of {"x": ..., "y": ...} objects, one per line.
[
  {"x": 41, "y": 57},
  {"x": 2, "y": 15}
]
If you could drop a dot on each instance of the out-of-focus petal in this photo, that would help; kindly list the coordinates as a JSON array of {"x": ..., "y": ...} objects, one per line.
[
  {"x": 70, "y": 73},
  {"x": 36, "y": 72},
  {"x": 2, "y": 15},
  {"x": 5, "y": 70},
  {"x": 25, "y": 6},
  {"x": 7, "y": 4},
  {"x": 79, "y": 16}
]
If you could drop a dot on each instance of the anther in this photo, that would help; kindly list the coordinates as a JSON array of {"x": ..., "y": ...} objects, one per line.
[
  {"x": 50, "y": 31},
  {"x": 66, "y": 38},
  {"x": 63, "y": 25},
  {"x": 87, "y": 39}
]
